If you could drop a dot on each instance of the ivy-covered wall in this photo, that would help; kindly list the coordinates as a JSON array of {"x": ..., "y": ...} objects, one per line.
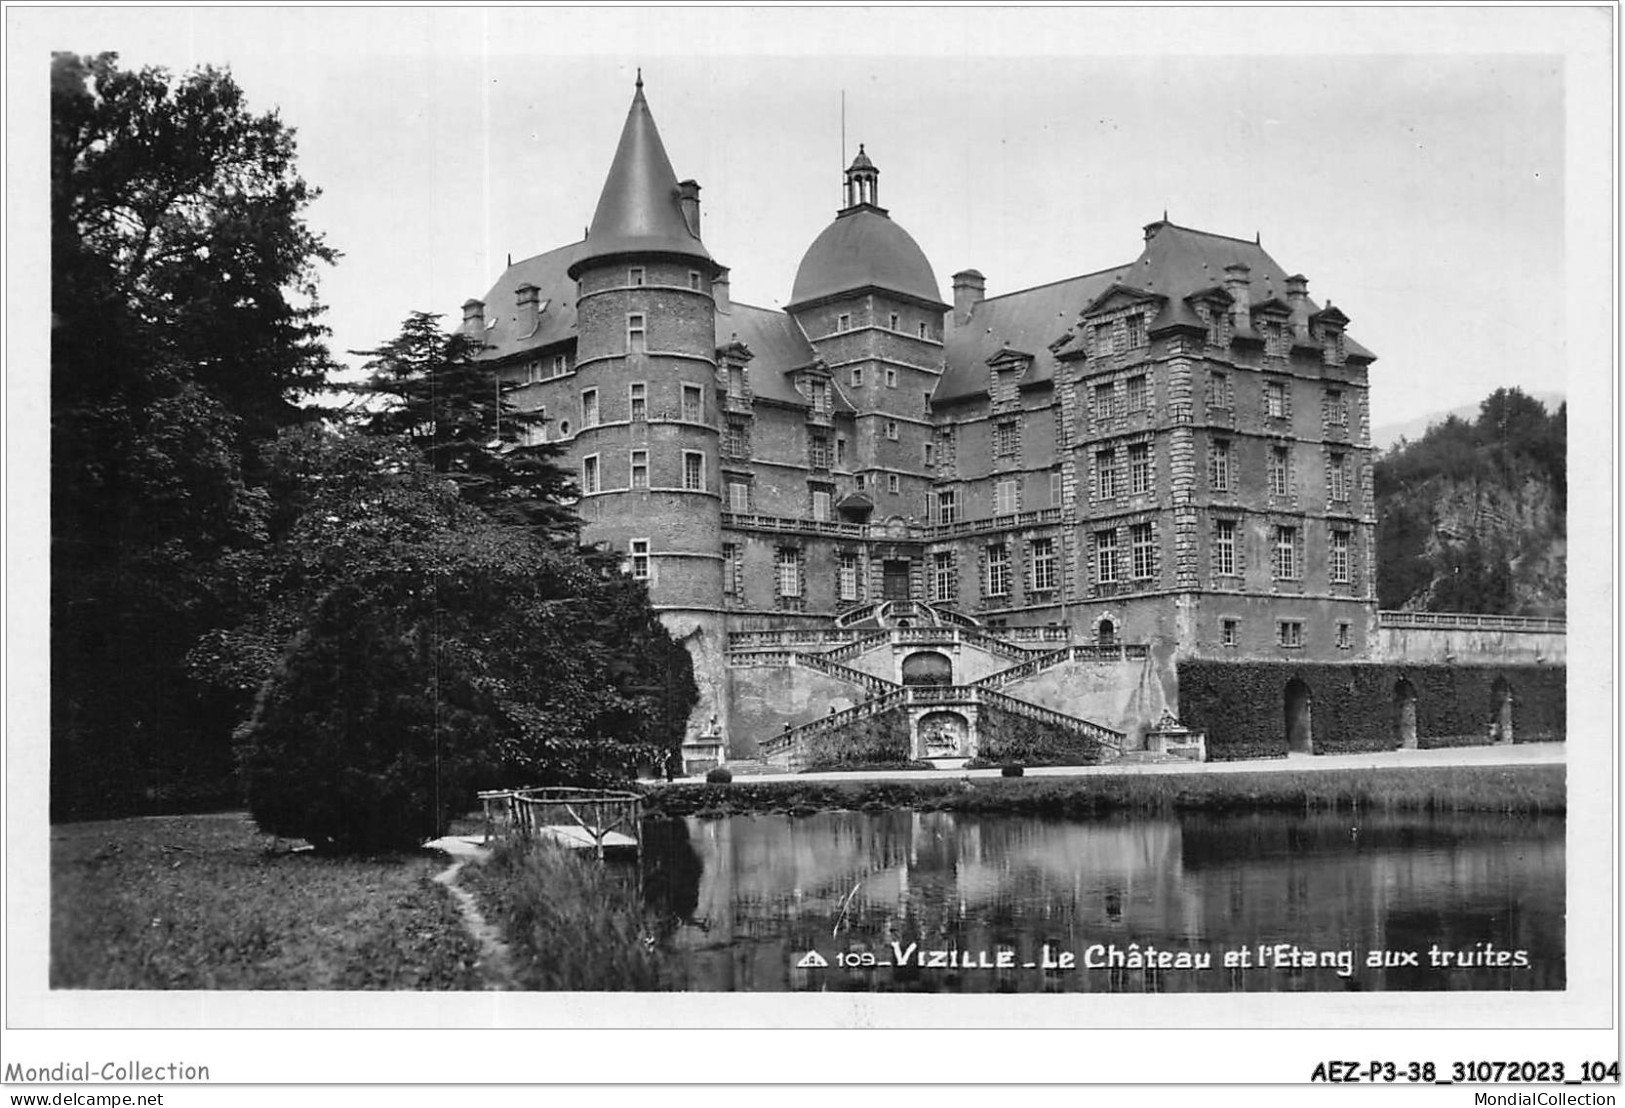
[
  {"x": 1006, "y": 737},
  {"x": 877, "y": 740},
  {"x": 1241, "y": 705}
]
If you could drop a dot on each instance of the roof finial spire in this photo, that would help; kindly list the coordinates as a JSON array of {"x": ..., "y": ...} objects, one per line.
[
  {"x": 1165, "y": 215},
  {"x": 640, "y": 78}
]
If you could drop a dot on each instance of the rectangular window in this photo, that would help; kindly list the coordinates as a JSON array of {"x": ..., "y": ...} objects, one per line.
[
  {"x": 1343, "y": 641},
  {"x": 1006, "y": 497},
  {"x": 1055, "y": 490},
  {"x": 891, "y": 322},
  {"x": 1103, "y": 339},
  {"x": 818, "y": 452},
  {"x": 1218, "y": 390},
  {"x": 930, "y": 455},
  {"x": 857, "y": 377},
  {"x": 536, "y": 433},
  {"x": 1136, "y": 331},
  {"x": 736, "y": 382},
  {"x": 1286, "y": 553},
  {"x": 1274, "y": 338},
  {"x": 1104, "y": 395},
  {"x": 693, "y": 404},
  {"x": 1275, "y": 399},
  {"x": 640, "y": 469},
  {"x": 1218, "y": 465},
  {"x": 1229, "y": 631},
  {"x": 820, "y": 397},
  {"x": 637, "y": 401},
  {"x": 1289, "y": 632},
  {"x": 635, "y": 333},
  {"x": 891, "y": 429},
  {"x": 944, "y": 577},
  {"x": 589, "y": 407},
  {"x": 1337, "y": 558},
  {"x": 735, "y": 439},
  {"x": 848, "y": 576},
  {"x": 894, "y": 483},
  {"x": 947, "y": 505},
  {"x": 1143, "y": 550},
  {"x": 1105, "y": 474},
  {"x": 634, "y": 276},
  {"x": 730, "y": 568},
  {"x": 1337, "y": 408},
  {"x": 1224, "y": 547},
  {"x": 561, "y": 365},
  {"x": 923, "y": 333},
  {"x": 1337, "y": 476},
  {"x": 891, "y": 377},
  {"x": 843, "y": 323},
  {"x": 640, "y": 559},
  {"x": 861, "y": 481},
  {"x": 589, "y": 474},
  {"x": 1280, "y": 461},
  {"x": 694, "y": 279},
  {"x": 998, "y": 570},
  {"x": 1106, "y": 557},
  {"x": 738, "y": 496},
  {"x": 821, "y": 499},
  {"x": 693, "y": 470},
  {"x": 1138, "y": 393},
  {"x": 789, "y": 567},
  {"x": 1139, "y": 468},
  {"x": 1043, "y": 552},
  {"x": 533, "y": 372},
  {"x": 1006, "y": 438}
]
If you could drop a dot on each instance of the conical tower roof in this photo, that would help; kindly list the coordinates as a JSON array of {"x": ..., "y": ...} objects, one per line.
[{"x": 640, "y": 210}]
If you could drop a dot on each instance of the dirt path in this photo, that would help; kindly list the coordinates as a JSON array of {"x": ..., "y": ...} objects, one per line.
[{"x": 496, "y": 961}]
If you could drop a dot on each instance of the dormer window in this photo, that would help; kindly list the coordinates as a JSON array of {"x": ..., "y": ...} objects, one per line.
[
  {"x": 1136, "y": 331},
  {"x": 1103, "y": 339},
  {"x": 843, "y": 323},
  {"x": 561, "y": 365}
]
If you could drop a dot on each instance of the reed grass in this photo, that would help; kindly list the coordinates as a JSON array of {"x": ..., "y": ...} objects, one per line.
[{"x": 571, "y": 922}]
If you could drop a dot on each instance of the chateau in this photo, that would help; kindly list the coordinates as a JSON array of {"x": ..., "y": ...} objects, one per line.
[{"x": 1030, "y": 504}]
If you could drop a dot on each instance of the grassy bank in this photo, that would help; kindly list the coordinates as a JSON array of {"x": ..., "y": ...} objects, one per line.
[
  {"x": 203, "y": 902},
  {"x": 1513, "y": 789},
  {"x": 570, "y": 922}
]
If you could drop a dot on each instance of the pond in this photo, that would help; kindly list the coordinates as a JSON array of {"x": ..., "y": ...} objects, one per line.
[{"x": 944, "y": 902}]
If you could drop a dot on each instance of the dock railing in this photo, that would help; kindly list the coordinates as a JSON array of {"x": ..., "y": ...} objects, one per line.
[{"x": 597, "y": 813}]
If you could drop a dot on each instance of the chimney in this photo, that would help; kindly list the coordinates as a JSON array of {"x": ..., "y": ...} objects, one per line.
[
  {"x": 474, "y": 319},
  {"x": 1238, "y": 283},
  {"x": 969, "y": 289},
  {"x": 719, "y": 291},
  {"x": 527, "y": 296},
  {"x": 689, "y": 193},
  {"x": 1297, "y": 294}
]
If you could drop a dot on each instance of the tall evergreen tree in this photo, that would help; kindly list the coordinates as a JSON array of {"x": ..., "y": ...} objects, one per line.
[
  {"x": 184, "y": 332},
  {"x": 436, "y": 393}
]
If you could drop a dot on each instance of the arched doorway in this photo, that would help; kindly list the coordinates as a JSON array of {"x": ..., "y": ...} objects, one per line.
[
  {"x": 1405, "y": 714},
  {"x": 1106, "y": 633},
  {"x": 927, "y": 667},
  {"x": 1300, "y": 737},
  {"x": 943, "y": 735},
  {"x": 1501, "y": 711}
]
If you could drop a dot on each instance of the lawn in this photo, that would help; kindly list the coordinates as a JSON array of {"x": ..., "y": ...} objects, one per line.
[{"x": 208, "y": 902}]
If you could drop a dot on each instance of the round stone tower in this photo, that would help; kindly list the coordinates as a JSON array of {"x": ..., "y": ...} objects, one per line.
[{"x": 646, "y": 402}]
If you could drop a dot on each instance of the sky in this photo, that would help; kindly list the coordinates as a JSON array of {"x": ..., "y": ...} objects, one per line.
[{"x": 1411, "y": 163}]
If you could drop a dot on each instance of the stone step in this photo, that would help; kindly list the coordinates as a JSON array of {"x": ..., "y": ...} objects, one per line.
[{"x": 749, "y": 767}]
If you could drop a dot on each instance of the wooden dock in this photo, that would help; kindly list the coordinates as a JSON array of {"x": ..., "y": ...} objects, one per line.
[{"x": 599, "y": 820}]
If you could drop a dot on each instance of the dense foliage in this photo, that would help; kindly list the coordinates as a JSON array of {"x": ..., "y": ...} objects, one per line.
[
  {"x": 878, "y": 740},
  {"x": 398, "y": 608},
  {"x": 183, "y": 333},
  {"x": 1008, "y": 737},
  {"x": 1242, "y": 708},
  {"x": 1471, "y": 516}
]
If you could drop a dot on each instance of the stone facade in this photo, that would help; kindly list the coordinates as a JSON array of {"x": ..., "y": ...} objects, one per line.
[{"x": 1172, "y": 452}]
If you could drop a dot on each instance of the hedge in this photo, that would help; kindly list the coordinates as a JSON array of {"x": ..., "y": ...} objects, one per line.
[
  {"x": 876, "y": 740},
  {"x": 1007, "y": 737},
  {"x": 1241, "y": 705}
]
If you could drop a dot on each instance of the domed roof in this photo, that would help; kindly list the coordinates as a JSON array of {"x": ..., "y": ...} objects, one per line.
[{"x": 864, "y": 248}]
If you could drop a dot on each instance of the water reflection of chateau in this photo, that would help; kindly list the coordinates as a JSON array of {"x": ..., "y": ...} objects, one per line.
[{"x": 771, "y": 889}]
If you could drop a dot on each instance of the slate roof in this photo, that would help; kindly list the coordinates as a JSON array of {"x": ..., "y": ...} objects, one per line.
[
  {"x": 776, "y": 345},
  {"x": 640, "y": 210},
  {"x": 556, "y": 323},
  {"x": 864, "y": 248},
  {"x": 1175, "y": 263}
]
